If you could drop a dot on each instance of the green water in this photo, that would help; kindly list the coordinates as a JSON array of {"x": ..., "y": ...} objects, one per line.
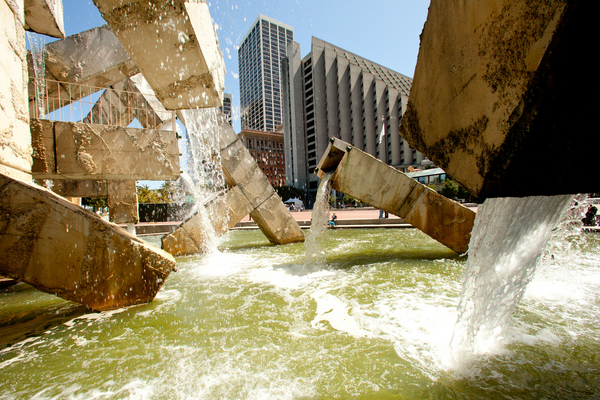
[{"x": 254, "y": 322}]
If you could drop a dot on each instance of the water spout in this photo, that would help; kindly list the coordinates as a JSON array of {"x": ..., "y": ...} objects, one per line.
[
  {"x": 315, "y": 257},
  {"x": 506, "y": 243}
]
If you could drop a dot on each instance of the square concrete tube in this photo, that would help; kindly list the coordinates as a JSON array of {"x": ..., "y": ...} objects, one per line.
[
  {"x": 504, "y": 88},
  {"x": 224, "y": 212},
  {"x": 45, "y": 17},
  {"x": 175, "y": 46},
  {"x": 368, "y": 179},
  {"x": 62, "y": 249},
  {"x": 85, "y": 151},
  {"x": 93, "y": 58}
]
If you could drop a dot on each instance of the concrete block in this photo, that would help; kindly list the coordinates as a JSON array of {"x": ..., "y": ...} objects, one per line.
[
  {"x": 87, "y": 188},
  {"x": 497, "y": 92},
  {"x": 276, "y": 222},
  {"x": 42, "y": 142},
  {"x": 368, "y": 179},
  {"x": 85, "y": 151},
  {"x": 93, "y": 58},
  {"x": 122, "y": 202},
  {"x": 175, "y": 46},
  {"x": 223, "y": 212},
  {"x": 45, "y": 17},
  {"x": 62, "y": 249},
  {"x": 237, "y": 163}
]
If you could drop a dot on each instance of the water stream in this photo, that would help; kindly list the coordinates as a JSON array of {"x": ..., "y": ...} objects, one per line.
[
  {"x": 315, "y": 256},
  {"x": 36, "y": 45},
  {"x": 205, "y": 174},
  {"x": 506, "y": 243}
]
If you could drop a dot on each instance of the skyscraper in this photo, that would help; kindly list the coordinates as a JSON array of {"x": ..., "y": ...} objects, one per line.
[
  {"x": 259, "y": 56},
  {"x": 334, "y": 93}
]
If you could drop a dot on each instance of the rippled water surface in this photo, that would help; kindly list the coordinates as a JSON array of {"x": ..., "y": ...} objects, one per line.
[{"x": 252, "y": 322}]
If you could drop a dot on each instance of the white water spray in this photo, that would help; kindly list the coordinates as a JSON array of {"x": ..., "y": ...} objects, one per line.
[
  {"x": 506, "y": 243},
  {"x": 315, "y": 257},
  {"x": 36, "y": 45},
  {"x": 205, "y": 173}
]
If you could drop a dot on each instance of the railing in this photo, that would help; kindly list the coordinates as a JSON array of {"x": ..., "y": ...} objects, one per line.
[{"x": 73, "y": 102}]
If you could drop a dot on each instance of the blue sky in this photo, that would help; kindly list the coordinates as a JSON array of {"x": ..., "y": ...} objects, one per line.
[{"x": 383, "y": 31}]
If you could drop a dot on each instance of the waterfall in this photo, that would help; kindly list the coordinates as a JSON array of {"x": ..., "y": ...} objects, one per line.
[
  {"x": 205, "y": 174},
  {"x": 507, "y": 240},
  {"x": 36, "y": 45},
  {"x": 315, "y": 257}
]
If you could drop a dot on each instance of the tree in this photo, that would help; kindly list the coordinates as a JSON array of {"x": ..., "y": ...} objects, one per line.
[
  {"x": 97, "y": 203},
  {"x": 289, "y": 192}
]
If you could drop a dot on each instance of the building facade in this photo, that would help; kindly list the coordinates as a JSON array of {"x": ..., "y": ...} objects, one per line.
[
  {"x": 226, "y": 109},
  {"x": 334, "y": 93},
  {"x": 259, "y": 58},
  {"x": 267, "y": 149}
]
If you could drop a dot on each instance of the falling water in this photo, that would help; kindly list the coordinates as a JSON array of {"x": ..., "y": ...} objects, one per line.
[
  {"x": 36, "y": 45},
  {"x": 205, "y": 174},
  {"x": 506, "y": 243},
  {"x": 315, "y": 256}
]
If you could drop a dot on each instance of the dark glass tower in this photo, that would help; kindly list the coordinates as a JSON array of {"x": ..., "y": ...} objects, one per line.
[{"x": 259, "y": 56}]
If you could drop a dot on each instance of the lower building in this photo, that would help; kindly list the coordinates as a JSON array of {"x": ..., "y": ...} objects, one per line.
[
  {"x": 267, "y": 149},
  {"x": 334, "y": 93},
  {"x": 226, "y": 108}
]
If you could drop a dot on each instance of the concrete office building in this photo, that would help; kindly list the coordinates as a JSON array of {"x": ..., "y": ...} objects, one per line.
[
  {"x": 334, "y": 93},
  {"x": 259, "y": 56},
  {"x": 267, "y": 150}
]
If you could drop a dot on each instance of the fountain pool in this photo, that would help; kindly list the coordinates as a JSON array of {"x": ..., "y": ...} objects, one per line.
[{"x": 250, "y": 323}]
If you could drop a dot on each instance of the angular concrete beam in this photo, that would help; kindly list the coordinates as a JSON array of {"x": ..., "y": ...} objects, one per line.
[
  {"x": 125, "y": 101},
  {"x": 175, "y": 46},
  {"x": 250, "y": 192},
  {"x": 62, "y": 249},
  {"x": 97, "y": 152},
  {"x": 497, "y": 91},
  {"x": 223, "y": 212},
  {"x": 364, "y": 177},
  {"x": 45, "y": 17},
  {"x": 92, "y": 58}
]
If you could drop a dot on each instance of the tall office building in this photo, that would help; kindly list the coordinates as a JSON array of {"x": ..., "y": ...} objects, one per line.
[
  {"x": 259, "y": 56},
  {"x": 334, "y": 93},
  {"x": 226, "y": 109}
]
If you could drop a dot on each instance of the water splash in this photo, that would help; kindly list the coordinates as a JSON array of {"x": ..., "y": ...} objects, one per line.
[
  {"x": 36, "y": 45},
  {"x": 315, "y": 256},
  {"x": 506, "y": 243},
  {"x": 205, "y": 174}
]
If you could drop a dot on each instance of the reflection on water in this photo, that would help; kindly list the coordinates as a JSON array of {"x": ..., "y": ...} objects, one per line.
[{"x": 376, "y": 322}]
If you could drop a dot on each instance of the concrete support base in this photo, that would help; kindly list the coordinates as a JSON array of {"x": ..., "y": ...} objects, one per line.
[
  {"x": 366, "y": 178},
  {"x": 60, "y": 248}
]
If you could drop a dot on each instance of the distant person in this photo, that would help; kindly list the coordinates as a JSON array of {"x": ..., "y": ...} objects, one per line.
[
  {"x": 333, "y": 220},
  {"x": 381, "y": 214}
]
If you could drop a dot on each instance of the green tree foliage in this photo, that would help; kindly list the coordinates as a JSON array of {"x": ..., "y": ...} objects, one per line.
[
  {"x": 97, "y": 203},
  {"x": 289, "y": 192},
  {"x": 454, "y": 191}
]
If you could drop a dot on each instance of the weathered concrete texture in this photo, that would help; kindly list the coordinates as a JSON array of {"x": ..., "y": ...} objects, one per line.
[
  {"x": 175, "y": 46},
  {"x": 122, "y": 202},
  {"x": 92, "y": 58},
  {"x": 366, "y": 178},
  {"x": 504, "y": 87},
  {"x": 15, "y": 139},
  {"x": 69, "y": 188},
  {"x": 250, "y": 192},
  {"x": 45, "y": 17},
  {"x": 63, "y": 249},
  {"x": 85, "y": 151}
]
